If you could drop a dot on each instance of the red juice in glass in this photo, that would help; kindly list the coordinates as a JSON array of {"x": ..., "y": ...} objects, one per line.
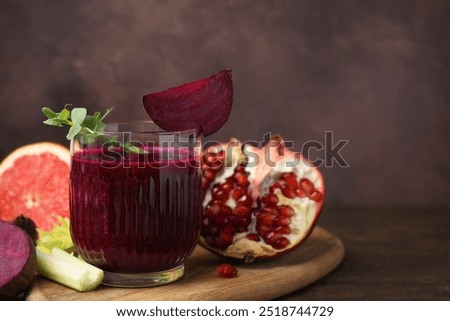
[{"x": 136, "y": 214}]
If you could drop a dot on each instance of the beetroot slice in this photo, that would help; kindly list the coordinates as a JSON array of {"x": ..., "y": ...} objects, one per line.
[
  {"x": 17, "y": 260},
  {"x": 204, "y": 104}
]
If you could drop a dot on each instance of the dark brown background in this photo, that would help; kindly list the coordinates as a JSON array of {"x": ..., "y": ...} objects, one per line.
[{"x": 374, "y": 72}]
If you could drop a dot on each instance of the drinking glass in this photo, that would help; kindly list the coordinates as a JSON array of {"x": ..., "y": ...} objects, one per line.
[{"x": 135, "y": 201}]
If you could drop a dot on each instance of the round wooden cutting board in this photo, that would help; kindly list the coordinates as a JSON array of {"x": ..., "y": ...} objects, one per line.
[{"x": 265, "y": 280}]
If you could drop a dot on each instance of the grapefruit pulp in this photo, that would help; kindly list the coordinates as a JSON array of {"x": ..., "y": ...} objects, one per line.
[{"x": 34, "y": 181}]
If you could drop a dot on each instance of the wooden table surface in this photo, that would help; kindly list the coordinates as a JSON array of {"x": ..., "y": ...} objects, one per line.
[{"x": 391, "y": 254}]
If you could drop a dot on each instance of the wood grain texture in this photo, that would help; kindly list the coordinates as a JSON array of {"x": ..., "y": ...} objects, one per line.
[
  {"x": 390, "y": 254},
  {"x": 265, "y": 280}
]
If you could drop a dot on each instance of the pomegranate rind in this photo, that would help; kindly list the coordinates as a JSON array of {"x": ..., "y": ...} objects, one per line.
[
  {"x": 307, "y": 211},
  {"x": 204, "y": 104},
  {"x": 34, "y": 182}
]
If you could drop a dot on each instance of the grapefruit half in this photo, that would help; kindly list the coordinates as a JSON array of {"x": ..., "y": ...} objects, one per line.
[{"x": 34, "y": 181}]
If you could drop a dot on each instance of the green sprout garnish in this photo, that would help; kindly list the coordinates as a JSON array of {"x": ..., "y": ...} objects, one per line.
[{"x": 88, "y": 126}]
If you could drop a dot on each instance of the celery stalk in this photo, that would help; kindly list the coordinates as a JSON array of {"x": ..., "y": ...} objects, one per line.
[
  {"x": 95, "y": 275},
  {"x": 63, "y": 268}
]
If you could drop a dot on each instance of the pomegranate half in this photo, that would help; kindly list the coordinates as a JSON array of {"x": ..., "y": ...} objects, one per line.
[{"x": 258, "y": 202}]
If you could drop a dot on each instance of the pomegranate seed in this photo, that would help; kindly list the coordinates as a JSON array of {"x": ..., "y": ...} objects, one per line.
[
  {"x": 283, "y": 229},
  {"x": 206, "y": 159},
  {"x": 209, "y": 175},
  {"x": 273, "y": 187},
  {"x": 216, "y": 166},
  {"x": 226, "y": 187},
  {"x": 290, "y": 179},
  {"x": 286, "y": 210},
  {"x": 244, "y": 222},
  {"x": 288, "y": 192},
  {"x": 242, "y": 211},
  {"x": 300, "y": 192},
  {"x": 245, "y": 200},
  {"x": 237, "y": 193},
  {"x": 272, "y": 210},
  {"x": 316, "y": 196},
  {"x": 226, "y": 271},
  {"x": 241, "y": 179},
  {"x": 253, "y": 237},
  {"x": 212, "y": 210},
  {"x": 282, "y": 221},
  {"x": 226, "y": 210},
  {"x": 205, "y": 183},
  {"x": 307, "y": 186},
  {"x": 213, "y": 230},
  {"x": 219, "y": 194},
  {"x": 263, "y": 229},
  {"x": 265, "y": 219},
  {"x": 216, "y": 163},
  {"x": 213, "y": 201},
  {"x": 225, "y": 238},
  {"x": 271, "y": 237},
  {"x": 281, "y": 243},
  {"x": 270, "y": 200},
  {"x": 227, "y": 229},
  {"x": 221, "y": 220}
]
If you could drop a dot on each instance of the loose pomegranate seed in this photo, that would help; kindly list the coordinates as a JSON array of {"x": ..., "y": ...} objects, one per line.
[
  {"x": 270, "y": 200},
  {"x": 288, "y": 192},
  {"x": 316, "y": 196},
  {"x": 281, "y": 243},
  {"x": 226, "y": 271},
  {"x": 253, "y": 237},
  {"x": 307, "y": 186},
  {"x": 286, "y": 210}
]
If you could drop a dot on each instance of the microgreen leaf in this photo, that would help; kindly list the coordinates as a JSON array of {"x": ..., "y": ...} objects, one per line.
[
  {"x": 78, "y": 115},
  {"x": 88, "y": 126},
  {"x": 52, "y": 122},
  {"x": 49, "y": 112},
  {"x": 73, "y": 131},
  {"x": 63, "y": 114}
]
